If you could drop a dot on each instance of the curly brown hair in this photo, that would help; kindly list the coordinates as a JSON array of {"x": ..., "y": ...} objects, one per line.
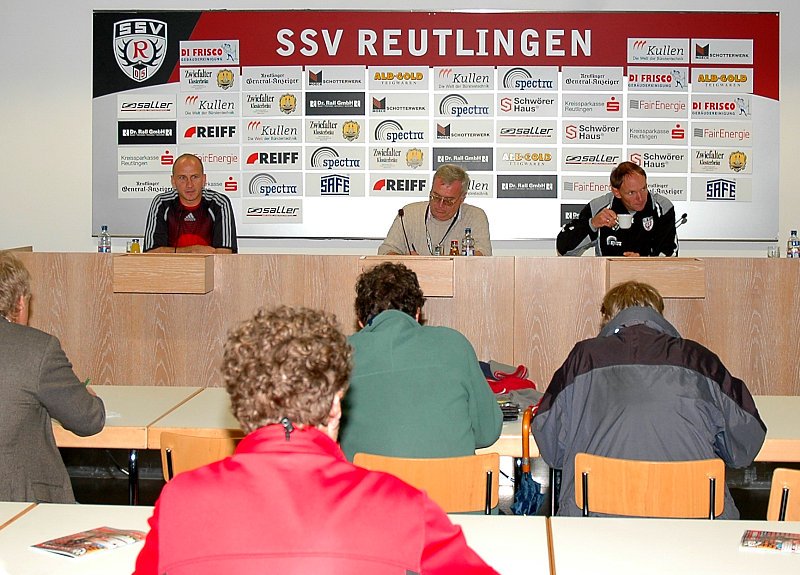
[
  {"x": 15, "y": 282},
  {"x": 387, "y": 286},
  {"x": 285, "y": 362},
  {"x": 630, "y": 294}
]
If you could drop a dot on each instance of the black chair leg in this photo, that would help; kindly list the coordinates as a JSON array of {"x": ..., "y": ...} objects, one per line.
[
  {"x": 488, "y": 506},
  {"x": 784, "y": 504},
  {"x": 585, "y": 487}
]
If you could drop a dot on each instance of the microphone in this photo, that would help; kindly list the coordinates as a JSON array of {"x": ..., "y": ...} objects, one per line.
[
  {"x": 401, "y": 212},
  {"x": 288, "y": 428},
  {"x": 681, "y": 221}
]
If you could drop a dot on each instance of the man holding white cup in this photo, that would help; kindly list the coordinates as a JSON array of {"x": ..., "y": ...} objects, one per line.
[{"x": 629, "y": 221}]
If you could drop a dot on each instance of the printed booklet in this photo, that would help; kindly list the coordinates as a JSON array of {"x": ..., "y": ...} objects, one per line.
[
  {"x": 771, "y": 541},
  {"x": 86, "y": 542}
]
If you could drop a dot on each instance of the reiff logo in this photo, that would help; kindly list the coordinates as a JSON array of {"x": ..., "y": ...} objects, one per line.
[{"x": 140, "y": 46}]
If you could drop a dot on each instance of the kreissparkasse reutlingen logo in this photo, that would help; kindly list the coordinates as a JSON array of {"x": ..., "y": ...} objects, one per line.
[{"x": 140, "y": 45}]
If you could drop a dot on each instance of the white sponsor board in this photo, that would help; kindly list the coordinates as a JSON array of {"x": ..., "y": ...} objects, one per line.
[
  {"x": 286, "y": 103},
  {"x": 392, "y": 184},
  {"x": 215, "y": 157},
  {"x": 261, "y": 78},
  {"x": 527, "y": 159},
  {"x": 721, "y": 106},
  {"x": 722, "y": 134},
  {"x": 398, "y": 104},
  {"x": 335, "y": 158},
  {"x": 722, "y": 160},
  {"x": 335, "y": 78},
  {"x": 272, "y": 158},
  {"x": 398, "y": 158},
  {"x": 528, "y": 78},
  {"x": 463, "y": 131},
  {"x": 527, "y": 131},
  {"x": 399, "y": 78},
  {"x": 266, "y": 130},
  {"x": 590, "y": 159},
  {"x": 209, "y": 53},
  {"x": 722, "y": 51},
  {"x": 336, "y": 130},
  {"x": 722, "y": 189},
  {"x": 463, "y": 78},
  {"x": 208, "y": 131},
  {"x": 335, "y": 184},
  {"x": 642, "y": 105},
  {"x": 592, "y": 132},
  {"x": 268, "y": 184},
  {"x": 146, "y": 158},
  {"x": 537, "y": 104},
  {"x": 269, "y": 211},
  {"x": 209, "y": 105},
  {"x": 205, "y": 79},
  {"x": 592, "y": 105},
  {"x": 146, "y": 107},
  {"x": 658, "y": 50},
  {"x": 662, "y": 79},
  {"x": 584, "y": 188},
  {"x": 655, "y": 160},
  {"x": 229, "y": 183},
  {"x": 591, "y": 79},
  {"x": 736, "y": 80},
  {"x": 673, "y": 187},
  {"x": 142, "y": 185},
  {"x": 657, "y": 133}
]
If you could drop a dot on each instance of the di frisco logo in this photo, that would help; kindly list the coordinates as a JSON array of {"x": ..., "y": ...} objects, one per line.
[{"x": 140, "y": 46}]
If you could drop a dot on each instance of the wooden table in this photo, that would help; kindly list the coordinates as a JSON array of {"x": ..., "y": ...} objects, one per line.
[
  {"x": 510, "y": 544},
  {"x": 622, "y": 546},
  {"x": 130, "y": 410},
  {"x": 48, "y": 521}
]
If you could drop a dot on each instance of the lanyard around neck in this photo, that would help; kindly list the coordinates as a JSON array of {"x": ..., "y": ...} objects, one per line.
[{"x": 428, "y": 234}]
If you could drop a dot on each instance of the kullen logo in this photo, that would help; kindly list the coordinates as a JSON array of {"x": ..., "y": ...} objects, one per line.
[{"x": 140, "y": 45}]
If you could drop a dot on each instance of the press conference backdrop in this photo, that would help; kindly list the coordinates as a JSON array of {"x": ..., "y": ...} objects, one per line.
[{"x": 323, "y": 124}]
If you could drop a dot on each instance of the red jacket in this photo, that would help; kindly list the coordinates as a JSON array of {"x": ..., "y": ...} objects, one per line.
[{"x": 298, "y": 506}]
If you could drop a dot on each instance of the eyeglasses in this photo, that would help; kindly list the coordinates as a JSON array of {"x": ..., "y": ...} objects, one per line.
[{"x": 449, "y": 202}]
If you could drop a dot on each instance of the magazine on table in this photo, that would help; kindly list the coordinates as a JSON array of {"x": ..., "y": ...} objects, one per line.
[
  {"x": 91, "y": 541},
  {"x": 754, "y": 540}
]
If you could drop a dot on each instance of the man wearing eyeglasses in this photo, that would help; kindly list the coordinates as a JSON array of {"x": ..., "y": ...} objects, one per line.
[
  {"x": 422, "y": 227},
  {"x": 651, "y": 232}
]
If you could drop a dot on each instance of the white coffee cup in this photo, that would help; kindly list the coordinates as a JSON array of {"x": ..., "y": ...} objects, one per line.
[{"x": 624, "y": 221}]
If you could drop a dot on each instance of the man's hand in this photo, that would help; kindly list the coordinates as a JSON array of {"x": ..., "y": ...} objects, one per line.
[
  {"x": 631, "y": 254},
  {"x": 605, "y": 218}
]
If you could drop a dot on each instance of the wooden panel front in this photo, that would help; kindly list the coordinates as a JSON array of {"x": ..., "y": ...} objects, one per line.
[{"x": 527, "y": 310}]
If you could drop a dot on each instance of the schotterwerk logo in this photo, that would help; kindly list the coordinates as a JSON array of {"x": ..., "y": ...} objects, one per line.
[{"x": 140, "y": 46}]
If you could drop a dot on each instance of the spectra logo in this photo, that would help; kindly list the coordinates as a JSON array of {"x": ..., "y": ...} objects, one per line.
[{"x": 140, "y": 45}]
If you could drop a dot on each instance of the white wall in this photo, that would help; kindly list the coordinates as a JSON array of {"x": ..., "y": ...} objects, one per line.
[{"x": 45, "y": 116}]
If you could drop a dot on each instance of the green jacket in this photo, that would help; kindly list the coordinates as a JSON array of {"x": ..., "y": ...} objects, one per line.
[{"x": 416, "y": 391}]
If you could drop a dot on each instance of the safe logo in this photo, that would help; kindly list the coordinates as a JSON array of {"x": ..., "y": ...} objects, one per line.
[{"x": 140, "y": 45}]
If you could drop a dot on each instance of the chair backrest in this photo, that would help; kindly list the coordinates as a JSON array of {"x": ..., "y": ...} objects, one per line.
[
  {"x": 784, "y": 495},
  {"x": 649, "y": 488},
  {"x": 180, "y": 452},
  {"x": 457, "y": 484}
]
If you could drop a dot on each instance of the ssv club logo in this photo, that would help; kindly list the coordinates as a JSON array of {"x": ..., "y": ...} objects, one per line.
[{"x": 139, "y": 47}]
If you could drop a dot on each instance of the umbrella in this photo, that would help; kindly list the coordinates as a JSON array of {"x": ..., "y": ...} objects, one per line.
[{"x": 528, "y": 496}]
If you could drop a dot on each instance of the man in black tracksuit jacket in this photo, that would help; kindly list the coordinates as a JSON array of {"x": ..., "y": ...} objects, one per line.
[{"x": 651, "y": 234}]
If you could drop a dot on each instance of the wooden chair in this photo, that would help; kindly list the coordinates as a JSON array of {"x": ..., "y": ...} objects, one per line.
[
  {"x": 784, "y": 495},
  {"x": 690, "y": 489},
  {"x": 181, "y": 452},
  {"x": 457, "y": 484}
]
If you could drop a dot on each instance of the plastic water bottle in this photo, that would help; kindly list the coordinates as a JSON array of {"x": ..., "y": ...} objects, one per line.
[
  {"x": 468, "y": 243},
  {"x": 104, "y": 241},
  {"x": 793, "y": 246}
]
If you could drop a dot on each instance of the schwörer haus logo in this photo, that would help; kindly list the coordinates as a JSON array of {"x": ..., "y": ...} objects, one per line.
[{"x": 140, "y": 45}]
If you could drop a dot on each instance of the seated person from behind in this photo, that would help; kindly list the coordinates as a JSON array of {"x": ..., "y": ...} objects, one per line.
[
  {"x": 36, "y": 384},
  {"x": 640, "y": 391},
  {"x": 652, "y": 232},
  {"x": 440, "y": 220},
  {"x": 191, "y": 218},
  {"x": 416, "y": 391},
  {"x": 287, "y": 501}
]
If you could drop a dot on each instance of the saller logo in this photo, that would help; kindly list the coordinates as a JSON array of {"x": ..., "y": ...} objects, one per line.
[{"x": 140, "y": 46}]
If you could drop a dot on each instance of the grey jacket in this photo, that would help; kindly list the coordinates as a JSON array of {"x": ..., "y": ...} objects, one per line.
[
  {"x": 640, "y": 391},
  {"x": 37, "y": 383}
]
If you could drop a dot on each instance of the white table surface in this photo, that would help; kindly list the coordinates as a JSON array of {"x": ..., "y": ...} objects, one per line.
[
  {"x": 780, "y": 413},
  {"x": 209, "y": 409},
  {"x": 510, "y": 544},
  {"x": 130, "y": 409},
  {"x": 10, "y": 509},
  {"x": 49, "y": 520},
  {"x": 613, "y": 546}
]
